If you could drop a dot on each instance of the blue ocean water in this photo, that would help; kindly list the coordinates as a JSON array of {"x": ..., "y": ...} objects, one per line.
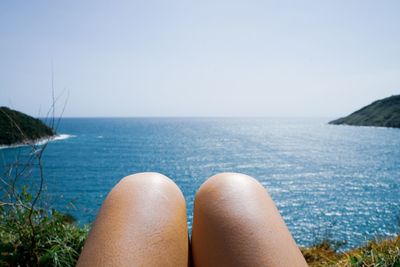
[{"x": 338, "y": 182}]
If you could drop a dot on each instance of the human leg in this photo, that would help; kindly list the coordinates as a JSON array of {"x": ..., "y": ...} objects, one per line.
[
  {"x": 236, "y": 223},
  {"x": 142, "y": 222}
]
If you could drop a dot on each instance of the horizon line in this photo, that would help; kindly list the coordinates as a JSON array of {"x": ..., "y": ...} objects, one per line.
[{"x": 191, "y": 117}]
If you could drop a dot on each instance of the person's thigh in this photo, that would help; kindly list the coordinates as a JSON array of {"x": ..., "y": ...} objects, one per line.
[
  {"x": 236, "y": 223},
  {"x": 142, "y": 222}
]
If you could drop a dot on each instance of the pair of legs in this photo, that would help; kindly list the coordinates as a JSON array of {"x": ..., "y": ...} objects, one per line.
[{"x": 142, "y": 222}]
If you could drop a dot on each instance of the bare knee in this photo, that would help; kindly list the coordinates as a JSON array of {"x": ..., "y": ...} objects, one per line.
[
  {"x": 153, "y": 181},
  {"x": 145, "y": 186},
  {"x": 235, "y": 214},
  {"x": 143, "y": 199},
  {"x": 230, "y": 194},
  {"x": 229, "y": 182},
  {"x": 142, "y": 222}
]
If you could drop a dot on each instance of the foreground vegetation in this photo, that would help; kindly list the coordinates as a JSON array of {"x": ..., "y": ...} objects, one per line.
[
  {"x": 48, "y": 238},
  {"x": 385, "y": 252}
]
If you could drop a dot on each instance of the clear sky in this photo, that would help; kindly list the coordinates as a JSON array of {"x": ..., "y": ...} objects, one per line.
[{"x": 199, "y": 58}]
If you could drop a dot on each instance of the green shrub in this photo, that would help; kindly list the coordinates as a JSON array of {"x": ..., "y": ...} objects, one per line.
[
  {"x": 45, "y": 238},
  {"x": 376, "y": 253}
]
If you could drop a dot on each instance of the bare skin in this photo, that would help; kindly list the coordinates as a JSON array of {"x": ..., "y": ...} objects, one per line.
[
  {"x": 236, "y": 223},
  {"x": 142, "y": 222}
]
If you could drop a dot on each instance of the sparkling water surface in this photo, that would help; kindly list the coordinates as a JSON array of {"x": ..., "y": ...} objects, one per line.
[{"x": 337, "y": 182}]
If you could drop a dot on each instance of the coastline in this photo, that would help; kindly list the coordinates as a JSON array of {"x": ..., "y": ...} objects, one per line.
[{"x": 40, "y": 141}]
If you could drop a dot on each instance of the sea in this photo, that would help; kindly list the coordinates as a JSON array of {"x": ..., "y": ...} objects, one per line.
[{"x": 340, "y": 183}]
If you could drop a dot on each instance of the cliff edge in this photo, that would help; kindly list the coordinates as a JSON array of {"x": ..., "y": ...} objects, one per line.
[{"x": 17, "y": 127}]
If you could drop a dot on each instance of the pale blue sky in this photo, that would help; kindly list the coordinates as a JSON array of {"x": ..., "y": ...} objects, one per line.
[{"x": 199, "y": 58}]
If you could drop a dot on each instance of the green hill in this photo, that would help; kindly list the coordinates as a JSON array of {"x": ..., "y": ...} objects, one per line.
[
  {"x": 17, "y": 127},
  {"x": 382, "y": 113}
]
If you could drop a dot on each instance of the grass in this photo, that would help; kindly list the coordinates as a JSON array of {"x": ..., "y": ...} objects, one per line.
[
  {"x": 385, "y": 252},
  {"x": 55, "y": 241}
]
